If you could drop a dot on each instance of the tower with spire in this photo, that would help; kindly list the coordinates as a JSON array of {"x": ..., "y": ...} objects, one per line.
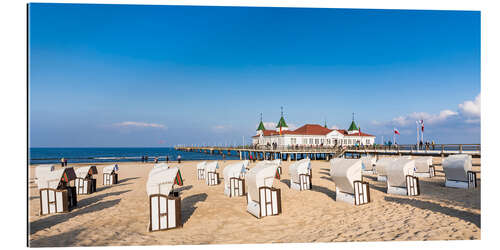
[
  {"x": 353, "y": 129},
  {"x": 261, "y": 128},
  {"x": 281, "y": 124}
]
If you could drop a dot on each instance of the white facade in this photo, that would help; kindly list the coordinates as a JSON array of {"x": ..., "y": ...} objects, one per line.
[{"x": 333, "y": 138}]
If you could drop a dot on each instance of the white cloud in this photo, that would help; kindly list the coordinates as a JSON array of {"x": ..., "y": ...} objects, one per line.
[
  {"x": 130, "y": 124},
  {"x": 221, "y": 128},
  {"x": 471, "y": 109},
  {"x": 410, "y": 119},
  {"x": 269, "y": 125}
]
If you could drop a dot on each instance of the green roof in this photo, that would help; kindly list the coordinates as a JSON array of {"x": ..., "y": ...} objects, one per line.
[
  {"x": 353, "y": 126},
  {"x": 282, "y": 123},
  {"x": 261, "y": 126}
]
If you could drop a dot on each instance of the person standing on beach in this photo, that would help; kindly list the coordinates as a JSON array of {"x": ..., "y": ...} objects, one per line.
[
  {"x": 65, "y": 162},
  {"x": 156, "y": 159},
  {"x": 224, "y": 157},
  {"x": 166, "y": 158},
  {"x": 62, "y": 162},
  {"x": 179, "y": 158}
]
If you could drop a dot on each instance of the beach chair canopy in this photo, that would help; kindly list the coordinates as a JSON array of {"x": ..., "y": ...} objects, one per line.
[
  {"x": 212, "y": 166},
  {"x": 233, "y": 171},
  {"x": 260, "y": 176},
  {"x": 277, "y": 162},
  {"x": 110, "y": 169},
  {"x": 344, "y": 172},
  {"x": 201, "y": 165},
  {"x": 161, "y": 165},
  {"x": 53, "y": 178},
  {"x": 161, "y": 180},
  {"x": 83, "y": 172},
  {"x": 368, "y": 162},
  {"x": 301, "y": 167},
  {"x": 382, "y": 163},
  {"x": 456, "y": 166},
  {"x": 246, "y": 163},
  {"x": 159, "y": 169},
  {"x": 40, "y": 170},
  {"x": 422, "y": 164},
  {"x": 397, "y": 171}
]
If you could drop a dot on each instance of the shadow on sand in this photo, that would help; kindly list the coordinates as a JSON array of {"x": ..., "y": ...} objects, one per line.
[
  {"x": 188, "y": 205},
  {"x": 67, "y": 238},
  {"x": 286, "y": 182},
  {"x": 101, "y": 188},
  {"x": 52, "y": 220},
  {"x": 90, "y": 200},
  {"x": 127, "y": 179},
  {"x": 183, "y": 188},
  {"x": 326, "y": 178},
  {"x": 328, "y": 192},
  {"x": 463, "y": 215}
]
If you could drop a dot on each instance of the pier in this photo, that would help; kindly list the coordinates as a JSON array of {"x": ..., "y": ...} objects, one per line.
[{"x": 326, "y": 153}]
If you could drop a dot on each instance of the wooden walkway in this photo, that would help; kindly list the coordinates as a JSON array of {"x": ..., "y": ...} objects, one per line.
[{"x": 327, "y": 153}]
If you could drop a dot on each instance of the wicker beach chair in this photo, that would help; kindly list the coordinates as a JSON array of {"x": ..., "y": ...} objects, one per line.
[
  {"x": 300, "y": 175},
  {"x": 84, "y": 182},
  {"x": 234, "y": 182},
  {"x": 401, "y": 179},
  {"x": 349, "y": 187},
  {"x": 56, "y": 196},
  {"x": 164, "y": 204},
  {"x": 262, "y": 198},
  {"x": 458, "y": 171}
]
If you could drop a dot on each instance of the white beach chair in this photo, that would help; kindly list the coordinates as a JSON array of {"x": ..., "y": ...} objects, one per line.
[
  {"x": 211, "y": 175},
  {"x": 380, "y": 166},
  {"x": 277, "y": 162},
  {"x": 200, "y": 167},
  {"x": 458, "y": 171},
  {"x": 262, "y": 198},
  {"x": 349, "y": 187},
  {"x": 234, "y": 182},
  {"x": 41, "y": 170},
  {"x": 164, "y": 205},
  {"x": 109, "y": 175},
  {"x": 368, "y": 163},
  {"x": 300, "y": 175},
  {"x": 401, "y": 179},
  {"x": 84, "y": 182},
  {"x": 424, "y": 167},
  {"x": 161, "y": 165},
  {"x": 56, "y": 196}
]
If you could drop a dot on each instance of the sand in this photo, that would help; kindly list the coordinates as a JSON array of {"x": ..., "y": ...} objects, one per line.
[{"x": 118, "y": 215}]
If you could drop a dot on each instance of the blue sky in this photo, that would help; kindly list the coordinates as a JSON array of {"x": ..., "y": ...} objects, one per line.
[{"x": 132, "y": 75}]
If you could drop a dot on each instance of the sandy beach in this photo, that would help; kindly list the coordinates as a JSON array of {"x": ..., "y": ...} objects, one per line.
[{"x": 118, "y": 215}]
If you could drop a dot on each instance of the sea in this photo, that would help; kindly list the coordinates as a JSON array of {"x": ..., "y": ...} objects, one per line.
[{"x": 93, "y": 155}]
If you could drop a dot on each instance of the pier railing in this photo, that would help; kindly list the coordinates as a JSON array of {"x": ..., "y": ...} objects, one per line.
[{"x": 474, "y": 149}]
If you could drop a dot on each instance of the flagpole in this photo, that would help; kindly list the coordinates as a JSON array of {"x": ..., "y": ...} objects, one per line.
[
  {"x": 422, "y": 132},
  {"x": 418, "y": 133}
]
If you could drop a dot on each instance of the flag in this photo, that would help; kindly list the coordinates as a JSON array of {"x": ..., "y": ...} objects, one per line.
[
  {"x": 178, "y": 179},
  {"x": 64, "y": 177},
  {"x": 396, "y": 131},
  {"x": 422, "y": 122},
  {"x": 280, "y": 129},
  {"x": 277, "y": 175}
]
